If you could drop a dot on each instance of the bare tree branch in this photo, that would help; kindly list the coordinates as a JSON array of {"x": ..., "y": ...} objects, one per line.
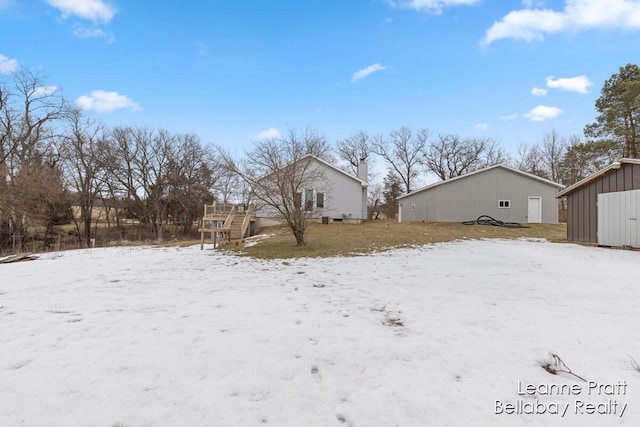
[
  {"x": 279, "y": 171},
  {"x": 403, "y": 152}
]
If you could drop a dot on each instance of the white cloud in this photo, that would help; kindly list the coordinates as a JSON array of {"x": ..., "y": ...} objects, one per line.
[
  {"x": 542, "y": 113},
  {"x": 537, "y": 91},
  {"x": 361, "y": 74},
  {"x": 577, "y": 15},
  {"x": 431, "y": 6},
  {"x": 44, "y": 90},
  {"x": 509, "y": 117},
  {"x": 531, "y": 3},
  {"x": 267, "y": 134},
  {"x": 7, "y": 65},
  {"x": 104, "y": 101},
  {"x": 91, "y": 10},
  {"x": 88, "y": 33},
  {"x": 528, "y": 25},
  {"x": 482, "y": 126},
  {"x": 578, "y": 84}
]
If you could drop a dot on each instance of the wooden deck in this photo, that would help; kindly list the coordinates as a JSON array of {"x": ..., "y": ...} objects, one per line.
[{"x": 226, "y": 221}]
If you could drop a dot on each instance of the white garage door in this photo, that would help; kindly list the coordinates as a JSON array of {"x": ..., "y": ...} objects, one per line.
[{"x": 618, "y": 218}]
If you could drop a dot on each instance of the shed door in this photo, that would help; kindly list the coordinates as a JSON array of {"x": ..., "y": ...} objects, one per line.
[
  {"x": 534, "y": 213},
  {"x": 618, "y": 218}
]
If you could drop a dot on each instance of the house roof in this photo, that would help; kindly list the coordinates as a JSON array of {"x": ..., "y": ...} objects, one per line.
[
  {"x": 324, "y": 163},
  {"x": 329, "y": 165},
  {"x": 601, "y": 172},
  {"x": 479, "y": 171}
]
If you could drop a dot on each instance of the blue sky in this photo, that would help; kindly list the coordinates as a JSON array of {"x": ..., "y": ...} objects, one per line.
[{"x": 231, "y": 71}]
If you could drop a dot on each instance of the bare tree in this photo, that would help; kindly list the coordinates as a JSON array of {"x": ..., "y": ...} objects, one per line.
[
  {"x": 354, "y": 149},
  {"x": 43, "y": 201},
  {"x": 552, "y": 152},
  {"x": 529, "y": 159},
  {"x": 279, "y": 171},
  {"x": 403, "y": 152},
  {"x": 140, "y": 160},
  {"x": 29, "y": 110},
  {"x": 193, "y": 175},
  {"x": 311, "y": 142},
  {"x": 450, "y": 156},
  {"x": 543, "y": 159},
  {"x": 494, "y": 154},
  {"x": 374, "y": 201},
  {"x": 227, "y": 185},
  {"x": 81, "y": 150}
]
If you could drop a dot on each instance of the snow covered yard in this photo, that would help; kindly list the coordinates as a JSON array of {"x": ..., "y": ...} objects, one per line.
[{"x": 446, "y": 335}]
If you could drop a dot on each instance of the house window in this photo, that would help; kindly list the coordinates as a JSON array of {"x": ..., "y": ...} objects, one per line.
[
  {"x": 504, "y": 204},
  {"x": 320, "y": 200},
  {"x": 413, "y": 206},
  {"x": 297, "y": 200},
  {"x": 308, "y": 200}
]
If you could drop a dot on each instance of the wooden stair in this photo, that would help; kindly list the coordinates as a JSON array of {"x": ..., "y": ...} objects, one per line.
[
  {"x": 236, "y": 227},
  {"x": 235, "y": 221}
]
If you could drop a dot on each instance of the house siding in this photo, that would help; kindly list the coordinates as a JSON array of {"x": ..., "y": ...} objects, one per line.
[
  {"x": 469, "y": 197},
  {"x": 582, "y": 206},
  {"x": 345, "y": 196}
]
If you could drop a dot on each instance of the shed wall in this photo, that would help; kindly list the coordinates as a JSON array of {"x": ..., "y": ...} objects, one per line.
[
  {"x": 582, "y": 204},
  {"x": 467, "y": 198}
]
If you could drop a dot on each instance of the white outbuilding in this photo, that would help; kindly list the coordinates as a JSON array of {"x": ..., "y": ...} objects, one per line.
[{"x": 502, "y": 192}]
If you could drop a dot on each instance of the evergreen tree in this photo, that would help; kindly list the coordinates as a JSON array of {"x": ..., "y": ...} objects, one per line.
[
  {"x": 392, "y": 190},
  {"x": 619, "y": 108}
]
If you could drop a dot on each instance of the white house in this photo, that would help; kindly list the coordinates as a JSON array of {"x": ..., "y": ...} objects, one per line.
[{"x": 333, "y": 195}]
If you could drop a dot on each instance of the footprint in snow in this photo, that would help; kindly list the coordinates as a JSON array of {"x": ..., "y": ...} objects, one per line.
[
  {"x": 20, "y": 364},
  {"x": 315, "y": 372}
]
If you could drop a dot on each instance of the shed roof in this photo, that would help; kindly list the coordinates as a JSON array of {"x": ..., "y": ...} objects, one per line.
[
  {"x": 601, "y": 172},
  {"x": 479, "y": 171}
]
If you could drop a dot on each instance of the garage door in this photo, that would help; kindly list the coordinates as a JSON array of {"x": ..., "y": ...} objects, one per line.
[{"x": 618, "y": 218}]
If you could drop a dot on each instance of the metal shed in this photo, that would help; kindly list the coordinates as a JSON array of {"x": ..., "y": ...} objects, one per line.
[
  {"x": 596, "y": 216},
  {"x": 500, "y": 191}
]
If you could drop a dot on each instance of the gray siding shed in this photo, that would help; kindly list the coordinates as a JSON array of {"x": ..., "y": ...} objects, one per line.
[
  {"x": 478, "y": 193},
  {"x": 582, "y": 197}
]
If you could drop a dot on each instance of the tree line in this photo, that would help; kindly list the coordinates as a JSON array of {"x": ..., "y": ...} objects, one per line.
[
  {"x": 53, "y": 157},
  {"x": 563, "y": 159}
]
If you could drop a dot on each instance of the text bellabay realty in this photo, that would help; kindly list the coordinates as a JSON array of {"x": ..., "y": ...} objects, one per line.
[{"x": 581, "y": 406}]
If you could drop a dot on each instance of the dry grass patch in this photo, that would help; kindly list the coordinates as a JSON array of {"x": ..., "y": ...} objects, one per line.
[{"x": 325, "y": 240}]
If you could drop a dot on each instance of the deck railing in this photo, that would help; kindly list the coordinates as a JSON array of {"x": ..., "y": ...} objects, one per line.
[
  {"x": 225, "y": 213},
  {"x": 224, "y": 209}
]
